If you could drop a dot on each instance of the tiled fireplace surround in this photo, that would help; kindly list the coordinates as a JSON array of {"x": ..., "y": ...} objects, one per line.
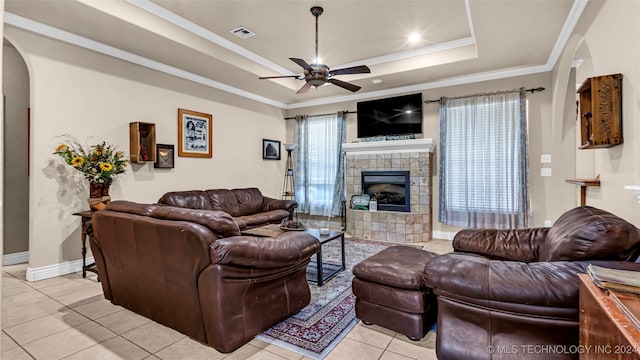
[{"x": 397, "y": 155}]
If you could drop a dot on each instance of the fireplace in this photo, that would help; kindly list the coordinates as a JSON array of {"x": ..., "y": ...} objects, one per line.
[
  {"x": 389, "y": 188},
  {"x": 412, "y": 157}
]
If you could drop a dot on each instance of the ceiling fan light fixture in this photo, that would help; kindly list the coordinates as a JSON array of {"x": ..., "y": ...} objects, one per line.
[
  {"x": 316, "y": 82},
  {"x": 319, "y": 74}
]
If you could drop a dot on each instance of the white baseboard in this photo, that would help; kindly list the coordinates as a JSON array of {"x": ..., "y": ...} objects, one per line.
[
  {"x": 50, "y": 271},
  {"x": 443, "y": 235},
  {"x": 15, "y": 258}
]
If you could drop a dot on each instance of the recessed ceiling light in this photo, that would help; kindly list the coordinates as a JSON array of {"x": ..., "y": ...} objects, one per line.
[
  {"x": 377, "y": 81},
  {"x": 414, "y": 37}
]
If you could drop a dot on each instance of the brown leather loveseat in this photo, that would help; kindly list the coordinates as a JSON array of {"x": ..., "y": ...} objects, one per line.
[
  {"x": 248, "y": 207},
  {"x": 192, "y": 271},
  {"x": 513, "y": 294}
]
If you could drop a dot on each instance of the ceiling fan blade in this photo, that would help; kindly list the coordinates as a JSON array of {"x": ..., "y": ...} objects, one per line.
[
  {"x": 345, "y": 85},
  {"x": 361, "y": 69},
  {"x": 278, "y": 77},
  {"x": 304, "y": 89},
  {"x": 302, "y": 63}
]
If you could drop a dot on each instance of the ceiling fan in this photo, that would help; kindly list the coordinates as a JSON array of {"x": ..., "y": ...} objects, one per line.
[{"x": 318, "y": 74}]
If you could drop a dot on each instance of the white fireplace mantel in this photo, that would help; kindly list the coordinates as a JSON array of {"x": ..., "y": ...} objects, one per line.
[{"x": 391, "y": 146}]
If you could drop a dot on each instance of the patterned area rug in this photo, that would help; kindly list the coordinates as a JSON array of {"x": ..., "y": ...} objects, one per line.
[{"x": 320, "y": 326}]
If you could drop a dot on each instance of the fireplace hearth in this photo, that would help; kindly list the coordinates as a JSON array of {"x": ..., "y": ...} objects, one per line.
[{"x": 389, "y": 188}]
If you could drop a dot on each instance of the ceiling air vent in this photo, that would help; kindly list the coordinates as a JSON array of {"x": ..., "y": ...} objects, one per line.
[{"x": 242, "y": 32}]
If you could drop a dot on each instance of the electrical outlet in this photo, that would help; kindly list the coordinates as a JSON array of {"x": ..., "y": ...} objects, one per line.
[
  {"x": 547, "y": 223},
  {"x": 545, "y": 158},
  {"x": 545, "y": 172}
]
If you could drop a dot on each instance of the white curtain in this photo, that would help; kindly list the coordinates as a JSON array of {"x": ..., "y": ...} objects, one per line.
[
  {"x": 484, "y": 161},
  {"x": 318, "y": 179}
]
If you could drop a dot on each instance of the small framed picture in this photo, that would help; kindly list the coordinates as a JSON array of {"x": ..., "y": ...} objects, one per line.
[
  {"x": 194, "y": 133},
  {"x": 164, "y": 157},
  {"x": 270, "y": 149}
]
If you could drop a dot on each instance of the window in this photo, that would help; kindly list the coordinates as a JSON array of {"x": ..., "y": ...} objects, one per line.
[
  {"x": 484, "y": 161},
  {"x": 319, "y": 164}
]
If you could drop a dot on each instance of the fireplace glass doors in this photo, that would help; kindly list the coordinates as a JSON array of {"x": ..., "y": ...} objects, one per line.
[{"x": 390, "y": 188}]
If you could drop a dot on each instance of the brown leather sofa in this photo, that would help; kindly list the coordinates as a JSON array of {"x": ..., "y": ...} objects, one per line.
[
  {"x": 248, "y": 207},
  {"x": 513, "y": 294},
  {"x": 191, "y": 271}
]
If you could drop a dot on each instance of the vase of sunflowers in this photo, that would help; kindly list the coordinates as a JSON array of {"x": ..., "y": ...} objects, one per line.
[{"x": 99, "y": 164}]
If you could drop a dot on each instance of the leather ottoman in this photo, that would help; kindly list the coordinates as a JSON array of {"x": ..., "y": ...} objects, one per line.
[{"x": 390, "y": 291}]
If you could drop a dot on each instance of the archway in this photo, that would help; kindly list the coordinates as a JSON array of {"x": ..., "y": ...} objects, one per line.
[{"x": 16, "y": 91}]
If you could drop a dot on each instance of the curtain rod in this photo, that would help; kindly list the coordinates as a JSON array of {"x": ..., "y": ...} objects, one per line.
[
  {"x": 333, "y": 113},
  {"x": 532, "y": 90}
]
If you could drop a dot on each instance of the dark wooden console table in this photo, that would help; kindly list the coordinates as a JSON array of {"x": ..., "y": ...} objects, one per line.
[{"x": 86, "y": 221}]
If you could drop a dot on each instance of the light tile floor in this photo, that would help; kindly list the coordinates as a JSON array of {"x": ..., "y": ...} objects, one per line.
[{"x": 68, "y": 318}]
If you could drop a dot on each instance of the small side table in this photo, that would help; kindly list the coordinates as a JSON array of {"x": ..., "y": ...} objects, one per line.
[
  {"x": 86, "y": 222},
  {"x": 583, "y": 183}
]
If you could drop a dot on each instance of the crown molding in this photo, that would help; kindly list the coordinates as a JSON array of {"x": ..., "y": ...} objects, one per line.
[
  {"x": 424, "y": 86},
  {"x": 567, "y": 29},
  {"x": 58, "y": 34},
  {"x": 176, "y": 19},
  {"x": 401, "y": 55},
  {"x": 70, "y": 38}
]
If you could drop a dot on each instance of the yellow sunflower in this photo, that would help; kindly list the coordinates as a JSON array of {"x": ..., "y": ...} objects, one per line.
[
  {"x": 106, "y": 166},
  {"x": 61, "y": 147},
  {"x": 77, "y": 161}
]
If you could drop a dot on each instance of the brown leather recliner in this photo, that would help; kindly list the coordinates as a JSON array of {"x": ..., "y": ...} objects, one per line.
[
  {"x": 513, "y": 294},
  {"x": 191, "y": 271},
  {"x": 248, "y": 207}
]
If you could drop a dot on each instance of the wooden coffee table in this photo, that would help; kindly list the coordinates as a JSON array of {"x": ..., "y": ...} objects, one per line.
[{"x": 318, "y": 271}]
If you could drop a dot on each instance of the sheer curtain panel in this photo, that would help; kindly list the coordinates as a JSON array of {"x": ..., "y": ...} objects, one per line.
[
  {"x": 484, "y": 167},
  {"x": 319, "y": 164}
]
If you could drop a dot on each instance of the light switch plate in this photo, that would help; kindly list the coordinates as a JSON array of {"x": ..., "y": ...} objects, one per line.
[
  {"x": 545, "y": 158},
  {"x": 545, "y": 172}
]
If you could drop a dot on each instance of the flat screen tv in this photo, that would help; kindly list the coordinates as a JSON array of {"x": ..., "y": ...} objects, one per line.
[{"x": 400, "y": 115}]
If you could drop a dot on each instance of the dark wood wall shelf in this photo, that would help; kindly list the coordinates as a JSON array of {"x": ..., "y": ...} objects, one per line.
[
  {"x": 583, "y": 183},
  {"x": 601, "y": 112},
  {"x": 142, "y": 142}
]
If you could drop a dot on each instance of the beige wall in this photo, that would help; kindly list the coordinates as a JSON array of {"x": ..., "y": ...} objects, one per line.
[
  {"x": 539, "y": 114},
  {"x": 16, "y": 193},
  {"x": 608, "y": 41},
  {"x": 607, "y": 38},
  {"x": 94, "y": 97}
]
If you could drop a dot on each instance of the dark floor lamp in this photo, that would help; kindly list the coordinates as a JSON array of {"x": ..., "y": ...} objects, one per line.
[{"x": 288, "y": 187}]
